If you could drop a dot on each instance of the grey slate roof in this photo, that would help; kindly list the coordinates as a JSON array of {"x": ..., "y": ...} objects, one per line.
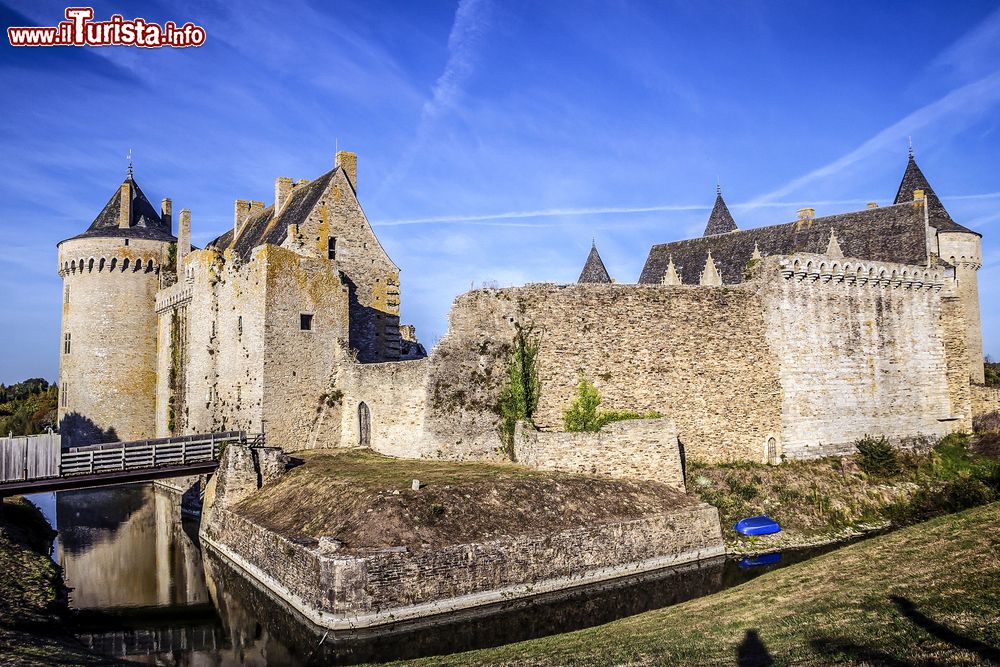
[
  {"x": 720, "y": 221},
  {"x": 144, "y": 224},
  {"x": 264, "y": 228},
  {"x": 593, "y": 270},
  {"x": 914, "y": 179},
  {"x": 890, "y": 234}
]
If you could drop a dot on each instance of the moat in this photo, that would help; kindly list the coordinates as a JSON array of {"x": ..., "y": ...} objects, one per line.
[{"x": 145, "y": 589}]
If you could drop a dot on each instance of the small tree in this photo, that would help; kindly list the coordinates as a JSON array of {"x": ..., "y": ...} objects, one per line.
[
  {"x": 582, "y": 414},
  {"x": 876, "y": 456}
]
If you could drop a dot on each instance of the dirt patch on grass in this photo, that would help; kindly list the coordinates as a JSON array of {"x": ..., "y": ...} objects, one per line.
[{"x": 366, "y": 501}]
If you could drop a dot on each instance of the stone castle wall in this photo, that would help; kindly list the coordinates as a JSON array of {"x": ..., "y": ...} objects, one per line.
[
  {"x": 633, "y": 449},
  {"x": 247, "y": 364},
  {"x": 108, "y": 379},
  {"x": 984, "y": 400},
  {"x": 698, "y": 355},
  {"x": 860, "y": 350},
  {"x": 964, "y": 252},
  {"x": 810, "y": 354}
]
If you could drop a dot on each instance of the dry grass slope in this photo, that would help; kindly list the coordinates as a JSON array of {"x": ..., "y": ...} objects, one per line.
[
  {"x": 928, "y": 594},
  {"x": 365, "y": 500}
]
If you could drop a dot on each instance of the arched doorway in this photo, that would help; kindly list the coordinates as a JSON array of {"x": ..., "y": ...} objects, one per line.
[
  {"x": 771, "y": 452},
  {"x": 364, "y": 425}
]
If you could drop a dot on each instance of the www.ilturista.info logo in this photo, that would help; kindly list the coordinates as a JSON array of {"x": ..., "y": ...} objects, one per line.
[{"x": 80, "y": 30}]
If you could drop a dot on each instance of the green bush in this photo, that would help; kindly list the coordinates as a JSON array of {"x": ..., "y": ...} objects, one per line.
[
  {"x": 992, "y": 369},
  {"x": 876, "y": 456},
  {"x": 582, "y": 414}
]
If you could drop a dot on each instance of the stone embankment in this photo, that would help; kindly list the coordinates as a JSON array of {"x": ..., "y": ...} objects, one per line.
[{"x": 341, "y": 585}]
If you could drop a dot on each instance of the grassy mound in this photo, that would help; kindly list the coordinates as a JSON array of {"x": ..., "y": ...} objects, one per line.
[
  {"x": 928, "y": 594},
  {"x": 366, "y": 501},
  {"x": 32, "y": 597}
]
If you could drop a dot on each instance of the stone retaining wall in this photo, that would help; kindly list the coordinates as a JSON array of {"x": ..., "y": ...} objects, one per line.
[{"x": 633, "y": 449}]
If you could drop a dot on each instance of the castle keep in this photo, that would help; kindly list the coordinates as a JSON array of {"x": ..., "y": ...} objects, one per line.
[{"x": 785, "y": 341}]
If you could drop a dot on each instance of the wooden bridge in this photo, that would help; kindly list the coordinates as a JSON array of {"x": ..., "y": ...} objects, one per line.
[{"x": 35, "y": 464}]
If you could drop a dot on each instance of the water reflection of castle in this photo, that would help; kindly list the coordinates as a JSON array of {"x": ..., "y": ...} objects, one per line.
[{"x": 126, "y": 546}]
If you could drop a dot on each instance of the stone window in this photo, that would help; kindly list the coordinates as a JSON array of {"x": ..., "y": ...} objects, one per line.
[
  {"x": 64, "y": 394},
  {"x": 331, "y": 248},
  {"x": 126, "y": 241},
  {"x": 305, "y": 321},
  {"x": 239, "y": 325},
  {"x": 66, "y": 343}
]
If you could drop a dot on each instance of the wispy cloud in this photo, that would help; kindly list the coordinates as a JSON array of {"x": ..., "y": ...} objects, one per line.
[
  {"x": 968, "y": 101},
  {"x": 471, "y": 21},
  {"x": 491, "y": 219}
]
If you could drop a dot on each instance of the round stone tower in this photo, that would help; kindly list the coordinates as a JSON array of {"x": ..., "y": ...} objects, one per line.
[{"x": 111, "y": 273}]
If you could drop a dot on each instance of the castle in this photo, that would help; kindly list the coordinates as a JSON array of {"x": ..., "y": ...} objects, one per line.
[{"x": 790, "y": 340}]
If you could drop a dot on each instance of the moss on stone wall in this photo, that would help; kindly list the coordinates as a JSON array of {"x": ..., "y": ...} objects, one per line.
[{"x": 519, "y": 397}]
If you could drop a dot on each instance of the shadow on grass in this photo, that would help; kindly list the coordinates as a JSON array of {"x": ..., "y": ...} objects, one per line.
[
  {"x": 844, "y": 647},
  {"x": 752, "y": 652}
]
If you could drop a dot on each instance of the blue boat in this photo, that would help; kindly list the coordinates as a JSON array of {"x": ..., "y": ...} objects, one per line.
[
  {"x": 757, "y": 525},
  {"x": 764, "y": 559}
]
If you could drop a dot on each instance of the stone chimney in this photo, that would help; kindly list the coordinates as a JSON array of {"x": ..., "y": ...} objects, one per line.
[
  {"x": 241, "y": 211},
  {"x": 873, "y": 204},
  {"x": 806, "y": 214},
  {"x": 166, "y": 212},
  {"x": 919, "y": 197},
  {"x": 282, "y": 190},
  {"x": 125, "y": 209},
  {"x": 349, "y": 161},
  {"x": 183, "y": 237}
]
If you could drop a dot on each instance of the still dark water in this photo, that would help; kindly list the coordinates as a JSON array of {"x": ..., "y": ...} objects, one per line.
[{"x": 145, "y": 590}]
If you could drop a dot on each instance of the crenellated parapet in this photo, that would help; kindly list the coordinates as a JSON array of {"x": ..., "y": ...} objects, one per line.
[{"x": 823, "y": 269}]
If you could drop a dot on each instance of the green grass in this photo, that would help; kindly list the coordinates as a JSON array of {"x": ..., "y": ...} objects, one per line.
[
  {"x": 928, "y": 594},
  {"x": 32, "y": 599},
  {"x": 826, "y": 499}
]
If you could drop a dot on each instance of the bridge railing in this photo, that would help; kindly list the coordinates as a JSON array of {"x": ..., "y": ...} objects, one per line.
[{"x": 117, "y": 456}]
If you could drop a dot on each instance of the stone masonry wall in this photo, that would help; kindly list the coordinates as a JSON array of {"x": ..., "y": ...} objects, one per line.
[
  {"x": 633, "y": 449},
  {"x": 861, "y": 351},
  {"x": 108, "y": 378},
  {"x": 985, "y": 400},
  {"x": 698, "y": 355}
]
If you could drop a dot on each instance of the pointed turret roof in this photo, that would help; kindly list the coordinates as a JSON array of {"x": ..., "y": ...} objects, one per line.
[
  {"x": 145, "y": 222},
  {"x": 720, "y": 221},
  {"x": 593, "y": 270},
  {"x": 914, "y": 179}
]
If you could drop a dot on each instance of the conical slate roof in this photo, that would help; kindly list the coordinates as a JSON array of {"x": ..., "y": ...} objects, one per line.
[
  {"x": 720, "y": 221},
  {"x": 914, "y": 179},
  {"x": 145, "y": 222},
  {"x": 593, "y": 270}
]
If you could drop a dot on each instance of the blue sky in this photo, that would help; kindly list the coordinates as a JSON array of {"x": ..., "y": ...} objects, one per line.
[{"x": 497, "y": 138}]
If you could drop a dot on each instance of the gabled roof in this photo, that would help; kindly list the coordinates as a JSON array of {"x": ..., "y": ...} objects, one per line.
[
  {"x": 145, "y": 222},
  {"x": 263, "y": 227},
  {"x": 937, "y": 216},
  {"x": 593, "y": 270},
  {"x": 720, "y": 221},
  {"x": 890, "y": 234}
]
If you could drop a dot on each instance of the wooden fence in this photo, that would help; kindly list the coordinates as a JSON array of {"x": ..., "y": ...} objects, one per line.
[{"x": 29, "y": 457}]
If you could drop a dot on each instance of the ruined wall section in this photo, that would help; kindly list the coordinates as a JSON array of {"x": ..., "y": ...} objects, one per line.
[
  {"x": 633, "y": 449},
  {"x": 860, "y": 350},
  {"x": 108, "y": 378},
  {"x": 698, "y": 355}
]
